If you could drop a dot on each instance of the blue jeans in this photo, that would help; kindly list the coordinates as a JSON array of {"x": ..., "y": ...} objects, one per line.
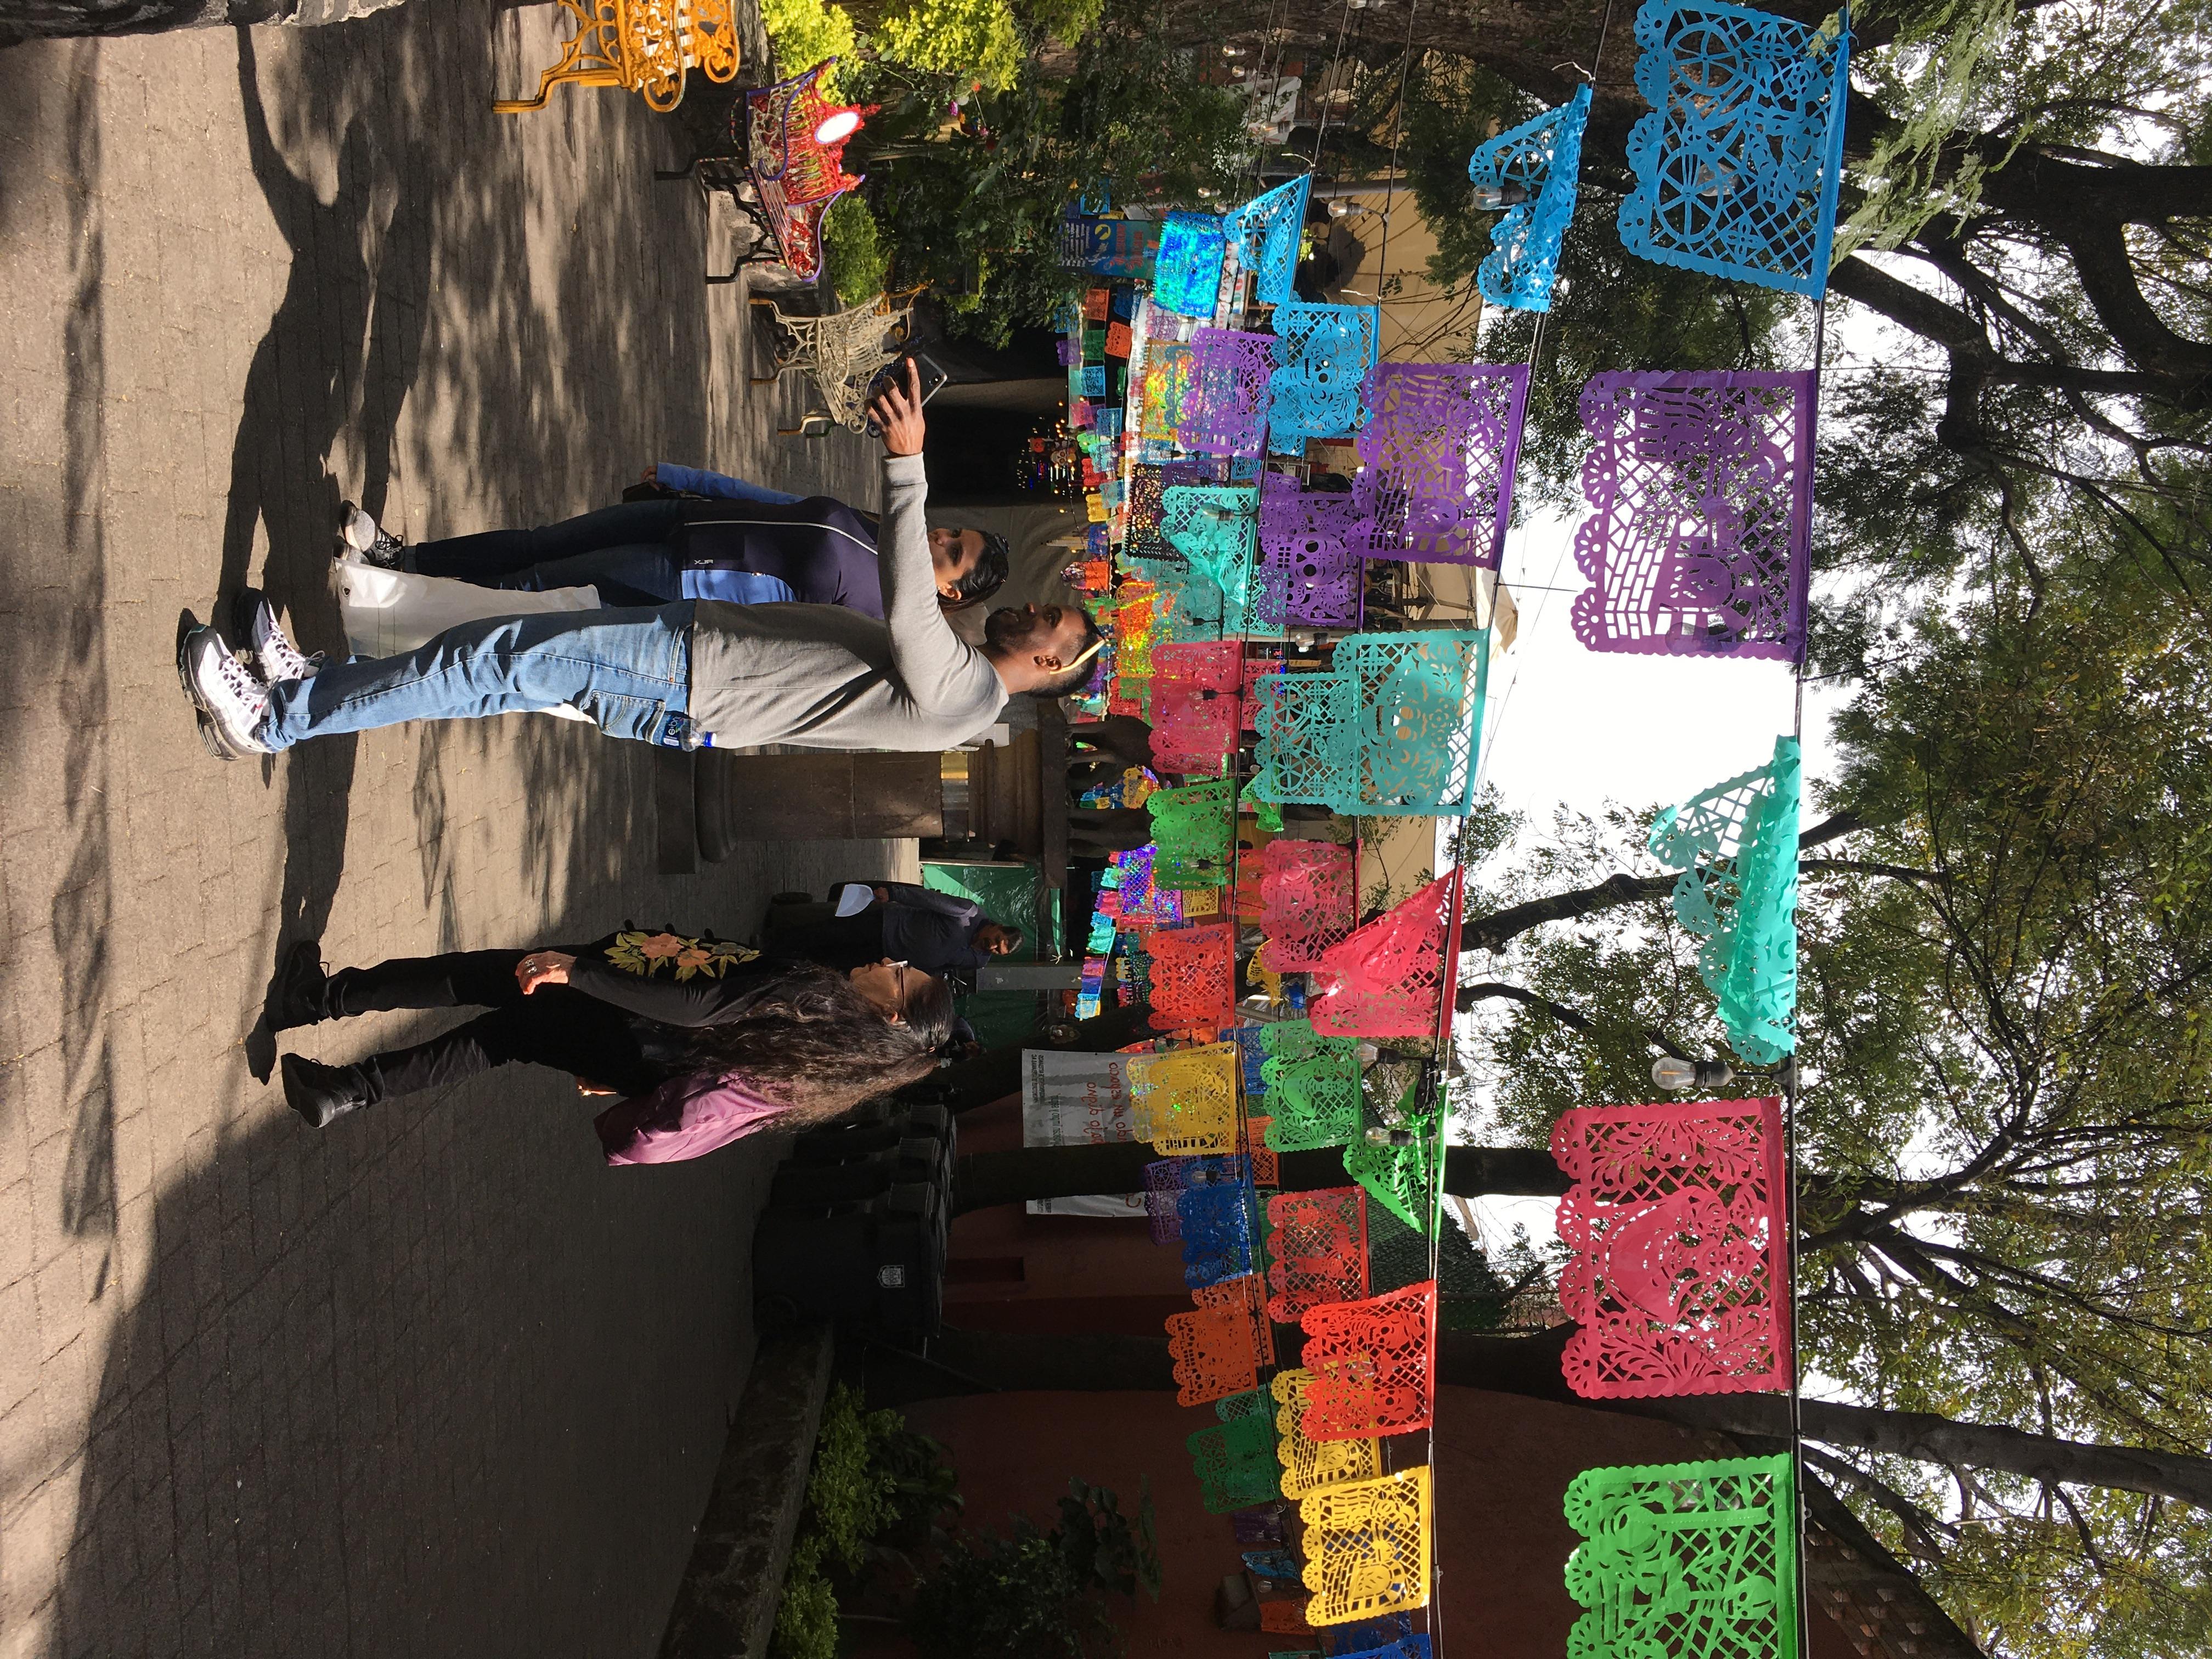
[{"x": 627, "y": 670}]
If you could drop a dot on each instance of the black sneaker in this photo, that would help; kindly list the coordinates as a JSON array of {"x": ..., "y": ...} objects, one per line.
[
  {"x": 367, "y": 540},
  {"x": 322, "y": 1094},
  {"x": 301, "y": 995}
]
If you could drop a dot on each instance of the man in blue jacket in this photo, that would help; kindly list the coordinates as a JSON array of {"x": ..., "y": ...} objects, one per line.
[
  {"x": 893, "y": 920},
  {"x": 708, "y": 536}
]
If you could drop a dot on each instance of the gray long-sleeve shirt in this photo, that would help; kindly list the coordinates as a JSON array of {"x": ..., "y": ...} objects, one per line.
[{"x": 823, "y": 676}]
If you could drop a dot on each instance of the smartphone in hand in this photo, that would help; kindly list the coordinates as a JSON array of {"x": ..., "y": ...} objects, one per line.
[{"x": 931, "y": 375}]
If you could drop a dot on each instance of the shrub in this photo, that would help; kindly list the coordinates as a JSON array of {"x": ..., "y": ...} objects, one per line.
[
  {"x": 873, "y": 1477},
  {"x": 804, "y": 32},
  {"x": 1038, "y": 1594},
  {"x": 858, "y": 262},
  {"x": 973, "y": 39}
]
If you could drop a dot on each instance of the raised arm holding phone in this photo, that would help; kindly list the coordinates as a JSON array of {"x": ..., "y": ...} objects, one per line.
[{"x": 693, "y": 670}]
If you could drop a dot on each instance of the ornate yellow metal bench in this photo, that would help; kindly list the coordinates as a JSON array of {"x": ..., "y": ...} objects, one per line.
[{"x": 643, "y": 46}]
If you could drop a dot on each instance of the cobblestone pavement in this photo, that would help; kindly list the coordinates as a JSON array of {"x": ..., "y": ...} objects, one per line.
[{"x": 434, "y": 1382}]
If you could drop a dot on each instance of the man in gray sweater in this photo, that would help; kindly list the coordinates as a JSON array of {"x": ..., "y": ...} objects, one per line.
[{"x": 701, "y": 670}]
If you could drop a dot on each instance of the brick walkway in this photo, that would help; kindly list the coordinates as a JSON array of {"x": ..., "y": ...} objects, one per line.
[{"x": 433, "y": 1382}]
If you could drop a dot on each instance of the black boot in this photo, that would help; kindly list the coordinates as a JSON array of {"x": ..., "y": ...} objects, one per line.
[
  {"x": 301, "y": 995},
  {"x": 321, "y": 1094}
]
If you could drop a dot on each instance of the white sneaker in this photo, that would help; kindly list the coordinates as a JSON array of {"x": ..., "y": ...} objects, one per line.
[
  {"x": 230, "y": 700},
  {"x": 373, "y": 542},
  {"x": 275, "y": 657}
]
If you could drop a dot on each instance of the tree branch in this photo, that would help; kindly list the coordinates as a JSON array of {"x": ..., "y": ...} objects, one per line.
[{"x": 1494, "y": 930}]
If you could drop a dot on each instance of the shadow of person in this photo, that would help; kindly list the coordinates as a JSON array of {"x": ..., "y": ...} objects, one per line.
[{"x": 347, "y": 332}]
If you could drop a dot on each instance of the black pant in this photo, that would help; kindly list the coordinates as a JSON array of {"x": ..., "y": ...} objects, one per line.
[
  {"x": 553, "y": 1026},
  {"x": 620, "y": 550}
]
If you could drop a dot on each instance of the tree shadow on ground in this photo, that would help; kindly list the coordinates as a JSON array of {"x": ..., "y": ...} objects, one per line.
[{"x": 435, "y": 1381}]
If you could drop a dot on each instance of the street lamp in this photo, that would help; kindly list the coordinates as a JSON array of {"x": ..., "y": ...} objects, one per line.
[{"x": 1678, "y": 1076}]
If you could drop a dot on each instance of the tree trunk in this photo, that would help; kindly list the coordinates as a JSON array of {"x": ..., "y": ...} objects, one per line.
[
  {"x": 1529, "y": 1365},
  {"x": 1012, "y": 1177}
]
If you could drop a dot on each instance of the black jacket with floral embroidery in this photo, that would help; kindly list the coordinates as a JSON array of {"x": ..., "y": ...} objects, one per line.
[{"x": 668, "y": 977}]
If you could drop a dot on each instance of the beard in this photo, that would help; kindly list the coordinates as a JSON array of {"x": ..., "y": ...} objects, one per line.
[{"x": 1005, "y": 627}]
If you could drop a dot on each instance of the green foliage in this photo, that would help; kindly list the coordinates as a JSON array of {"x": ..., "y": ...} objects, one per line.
[
  {"x": 1065, "y": 21},
  {"x": 2005, "y": 1010},
  {"x": 1032, "y": 1593},
  {"x": 806, "y": 1618},
  {"x": 1453, "y": 107},
  {"x": 976, "y": 213},
  {"x": 804, "y": 33},
  {"x": 858, "y": 262},
  {"x": 872, "y": 1478},
  {"x": 973, "y": 40}
]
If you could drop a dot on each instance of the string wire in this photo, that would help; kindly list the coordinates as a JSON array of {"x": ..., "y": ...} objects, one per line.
[
  {"x": 1790, "y": 1094},
  {"x": 1321, "y": 132},
  {"x": 1390, "y": 188}
]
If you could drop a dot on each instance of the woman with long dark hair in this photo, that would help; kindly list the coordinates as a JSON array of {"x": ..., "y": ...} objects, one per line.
[{"x": 706, "y": 1041}]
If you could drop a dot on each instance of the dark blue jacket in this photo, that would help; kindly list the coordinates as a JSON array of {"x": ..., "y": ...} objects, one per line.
[{"x": 824, "y": 550}]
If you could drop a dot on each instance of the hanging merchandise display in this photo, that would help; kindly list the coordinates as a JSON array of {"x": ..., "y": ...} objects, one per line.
[
  {"x": 1437, "y": 455},
  {"x": 1106, "y": 246},
  {"x": 1265, "y": 232},
  {"x": 1739, "y": 160},
  {"x": 1184, "y": 1101},
  {"x": 1235, "y": 1462},
  {"x": 1187, "y": 279},
  {"x": 1170, "y": 1177},
  {"x": 1194, "y": 983},
  {"x": 1685, "y": 1561},
  {"x": 1215, "y": 1225},
  {"x": 1196, "y": 698},
  {"x": 1316, "y": 1250},
  {"x": 1219, "y": 1347},
  {"x": 1211, "y": 528},
  {"x": 1700, "y": 494},
  {"x": 1407, "y": 1180},
  {"x": 1306, "y": 901},
  {"x": 1392, "y": 728},
  {"x": 1311, "y": 568},
  {"x": 1322, "y": 354},
  {"x": 1310, "y": 1465},
  {"x": 1736, "y": 846},
  {"x": 1364, "y": 1636},
  {"x": 1313, "y": 1092},
  {"x": 1194, "y": 830},
  {"x": 1412, "y": 1646},
  {"x": 1225, "y": 409},
  {"x": 1142, "y": 539},
  {"x": 1367, "y": 1547},
  {"x": 1679, "y": 1277},
  {"x": 1420, "y": 717},
  {"x": 1530, "y": 171},
  {"x": 1388, "y": 978},
  {"x": 1373, "y": 1365},
  {"x": 1160, "y": 393}
]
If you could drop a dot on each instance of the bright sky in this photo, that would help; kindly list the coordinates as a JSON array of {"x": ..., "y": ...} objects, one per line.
[{"x": 1568, "y": 724}]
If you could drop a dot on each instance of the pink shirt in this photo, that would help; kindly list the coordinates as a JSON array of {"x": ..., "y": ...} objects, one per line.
[{"x": 685, "y": 1117}]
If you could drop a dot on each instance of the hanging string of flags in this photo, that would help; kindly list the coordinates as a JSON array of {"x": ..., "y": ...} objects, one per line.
[{"x": 1251, "y": 455}]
